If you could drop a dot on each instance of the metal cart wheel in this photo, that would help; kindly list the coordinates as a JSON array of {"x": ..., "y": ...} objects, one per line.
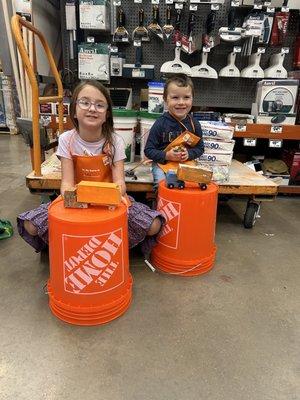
[{"x": 251, "y": 214}]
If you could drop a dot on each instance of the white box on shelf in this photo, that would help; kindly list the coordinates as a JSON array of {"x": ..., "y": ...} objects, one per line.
[{"x": 218, "y": 146}]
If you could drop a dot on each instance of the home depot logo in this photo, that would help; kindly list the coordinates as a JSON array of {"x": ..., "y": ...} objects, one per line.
[
  {"x": 169, "y": 233},
  {"x": 93, "y": 264}
]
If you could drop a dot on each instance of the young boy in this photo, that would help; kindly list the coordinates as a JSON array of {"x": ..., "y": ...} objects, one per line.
[{"x": 178, "y": 95}]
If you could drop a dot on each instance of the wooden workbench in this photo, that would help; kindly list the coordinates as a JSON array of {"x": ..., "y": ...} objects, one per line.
[{"x": 242, "y": 180}]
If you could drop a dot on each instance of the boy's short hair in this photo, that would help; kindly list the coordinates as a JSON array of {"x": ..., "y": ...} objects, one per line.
[{"x": 180, "y": 80}]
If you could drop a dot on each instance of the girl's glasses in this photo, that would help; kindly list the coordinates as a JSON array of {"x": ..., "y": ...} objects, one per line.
[{"x": 86, "y": 105}]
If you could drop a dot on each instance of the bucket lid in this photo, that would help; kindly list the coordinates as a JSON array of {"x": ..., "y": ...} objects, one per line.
[
  {"x": 124, "y": 113},
  {"x": 145, "y": 114}
]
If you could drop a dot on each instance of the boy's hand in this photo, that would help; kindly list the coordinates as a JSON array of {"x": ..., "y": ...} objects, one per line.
[
  {"x": 184, "y": 155},
  {"x": 173, "y": 155}
]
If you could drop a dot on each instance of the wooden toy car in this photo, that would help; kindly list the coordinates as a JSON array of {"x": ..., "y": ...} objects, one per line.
[
  {"x": 97, "y": 193},
  {"x": 173, "y": 181}
]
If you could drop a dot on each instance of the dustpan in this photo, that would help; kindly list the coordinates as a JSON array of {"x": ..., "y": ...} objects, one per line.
[
  {"x": 204, "y": 70},
  {"x": 176, "y": 66}
]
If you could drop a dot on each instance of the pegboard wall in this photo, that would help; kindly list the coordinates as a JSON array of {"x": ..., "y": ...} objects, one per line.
[{"x": 230, "y": 93}]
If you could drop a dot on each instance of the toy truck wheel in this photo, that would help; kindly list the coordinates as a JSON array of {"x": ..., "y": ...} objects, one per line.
[
  {"x": 203, "y": 186},
  {"x": 181, "y": 185},
  {"x": 171, "y": 185}
]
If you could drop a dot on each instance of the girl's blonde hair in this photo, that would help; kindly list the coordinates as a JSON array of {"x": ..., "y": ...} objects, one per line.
[
  {"x": 180, "y": 80},
  {"x": 108, "y": 125}
]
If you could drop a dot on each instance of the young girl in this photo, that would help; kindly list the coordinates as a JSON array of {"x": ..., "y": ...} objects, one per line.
[
  {"x": 178, "y": 95},
  {"x": 92, "y": 151}
]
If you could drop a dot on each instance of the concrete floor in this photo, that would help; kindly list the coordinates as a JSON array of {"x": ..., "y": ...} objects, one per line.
[{"x": 232, "y": 334}]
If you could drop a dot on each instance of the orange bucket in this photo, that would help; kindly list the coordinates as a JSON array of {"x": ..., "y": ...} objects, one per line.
[
  {"x": 89, "y": 282},
  {"x": 186, "y": 244}
]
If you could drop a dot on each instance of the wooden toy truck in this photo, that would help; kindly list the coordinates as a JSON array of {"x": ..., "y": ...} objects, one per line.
[
  {"x": 96, "y": 193},
  {"x": 197, "y": 174}
]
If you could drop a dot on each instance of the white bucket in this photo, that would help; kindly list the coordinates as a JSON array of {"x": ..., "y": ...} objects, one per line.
[
  {"x": 125, "y": 123},
  {"x": 156, "y": 97},
  {"x": 146, "y": 122}
]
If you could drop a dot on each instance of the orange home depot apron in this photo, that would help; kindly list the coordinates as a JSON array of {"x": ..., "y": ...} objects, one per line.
[
  {"x": 94, "y": 168},
  {"x": 186, "y": 139}
]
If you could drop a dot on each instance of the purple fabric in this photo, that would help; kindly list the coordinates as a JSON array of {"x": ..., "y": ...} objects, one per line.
[{"x": 140, "y": 218}]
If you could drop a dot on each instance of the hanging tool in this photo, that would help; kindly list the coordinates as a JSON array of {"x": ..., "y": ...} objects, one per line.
[
  {"x": 154, "y": 26},
  {"x": 210, "y": 23},
  {"x": 231, "y": 33},
  {"x": 121, "y": 34},
  {"x": 253, "y": 27},
  {"x": 204, "y": 70},
  {"x": 168, "y": 28},
  {"x": 187, "y": 41},
  {"x": 140, "y": 32},
  {"x": 138, "y": 70},
  {"x": 175, "y": 66},
  {"x": 276, "y": 68},
  {"x": 253, "y": 70},
  {"x": 177, "y": 33},
  {"x": 231, "y": 69},
  {"x": 279, "y": 29}
]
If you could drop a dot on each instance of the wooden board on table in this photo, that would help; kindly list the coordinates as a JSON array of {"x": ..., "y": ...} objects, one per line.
[{"x": 242, "y": 181}]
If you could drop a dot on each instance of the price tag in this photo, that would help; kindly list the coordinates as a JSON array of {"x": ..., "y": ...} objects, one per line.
[
  {"x": 267, "y": 3},
  {"x": 285, "y": 9},
  {"x": 285, "y": 50},
  {"x": 257, "y": 6},
  {"x": 193, "y": 7},
  {"x": 169, "y": 1},
  {"x": 90, "y": 39},
  {"x": 237, "y": 49},
  {"x": 261, "y": 50},
  {"x": 114, "y": 49},
  {"x": 240, "y": 128},
  {"x": 178, "y": 6},
  {"x": 154, "y": 1},
  {"x": 138, "y": 73},
  {"x": 276, "y": 129},
  {"x": 137, "y": 43},
  {"x": 215, "y": 7},
  {"x": 235, "y": 3},
  {"x": 117, "y": 2},
  {"x": 275, "y": 143},
  {"x": 270, "y": 10},
  {"x": 250, "y": 142},
  {"x": 64, "y": 119},
  {"x": 206, "y": 49},
  {"x": 137, "y": 1}
]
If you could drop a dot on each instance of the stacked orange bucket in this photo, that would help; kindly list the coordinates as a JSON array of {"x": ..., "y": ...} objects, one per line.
[{"x": 89, "y": 283}]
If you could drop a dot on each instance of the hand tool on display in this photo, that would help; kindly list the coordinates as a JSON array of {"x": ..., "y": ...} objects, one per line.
[
  {"x": 207, "y": 39},
  {"x": 175, "y": 66},
  {"x": 187, "y": 41},
  {"x": 138, "y": 70},
  {"x": 267, "y": 27},
  {"x": 231, "y": 69},
  {"x": 204, "y": 70},
  {"x": 231, "y": 33},
  {"x": 121, "y": 34},
  {"x": 70, "y": 11},
  {"x": 177, "y": 33},
  {"x": 276, "y": 68},
  {"x": 253, "y": 70},
  {"x": 140, "y": 32},
  {"x": 168, "y": 28},
  {"x": 253, "y": 27},
  {"x": 154, "y": 26},
  {"x": 279, "y": 29}
]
